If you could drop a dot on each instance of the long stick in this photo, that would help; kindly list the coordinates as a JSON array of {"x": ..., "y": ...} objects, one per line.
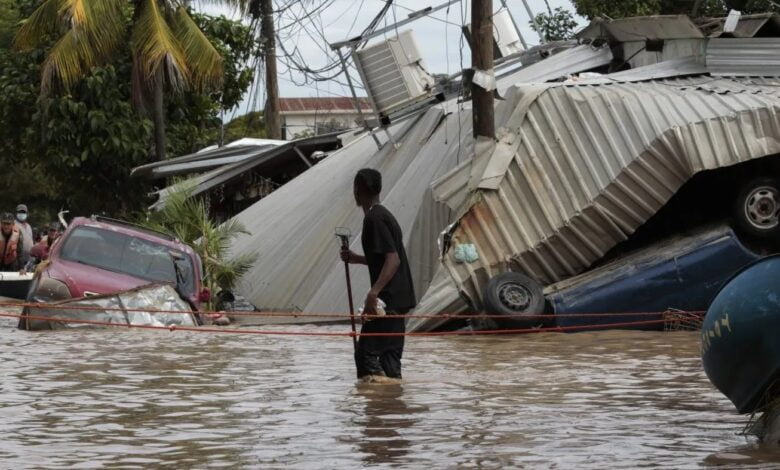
[{"x": 351, "y": 307}]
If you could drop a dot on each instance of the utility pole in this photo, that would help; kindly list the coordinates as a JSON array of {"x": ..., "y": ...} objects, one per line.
[
  {"x": 273, "y": 122},
  {"x": 482, "y": 62}
]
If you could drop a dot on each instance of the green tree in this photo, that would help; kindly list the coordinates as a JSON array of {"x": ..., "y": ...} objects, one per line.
[
  {"x": 628, "y": 8},
  {"x": 555, "y": 25},
  {"x": 167, "y": 47},
  {"x": 187, "y": 218},
  {"x": 75, "y": 149},
  {"x": 195, "y": 118},
  {"x": 248, "y": 125}
]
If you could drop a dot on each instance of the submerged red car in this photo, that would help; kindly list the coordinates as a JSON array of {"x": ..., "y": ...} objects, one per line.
[{"x": 99, "y": 255}]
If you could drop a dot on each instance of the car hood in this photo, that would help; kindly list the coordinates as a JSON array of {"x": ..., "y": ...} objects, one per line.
[{"x": 82, "y": 279}]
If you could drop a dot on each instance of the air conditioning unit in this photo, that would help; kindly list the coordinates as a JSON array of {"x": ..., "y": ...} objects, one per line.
[
  {"x": 506, "y": 40},
  {"x": 393, "y": 73},
  {"x": 505, "y": 36}
]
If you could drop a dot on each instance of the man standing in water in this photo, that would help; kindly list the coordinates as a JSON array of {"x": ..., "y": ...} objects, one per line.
[{"x": 378, "y": 357}]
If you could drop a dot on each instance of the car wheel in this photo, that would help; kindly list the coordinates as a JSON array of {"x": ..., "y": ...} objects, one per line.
[
  {"x": 757, "y": 208},
  {"x": 515, "y": 295}
]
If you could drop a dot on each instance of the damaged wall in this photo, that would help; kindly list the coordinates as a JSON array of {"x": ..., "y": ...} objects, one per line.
[{"x": 591, "y": 163}]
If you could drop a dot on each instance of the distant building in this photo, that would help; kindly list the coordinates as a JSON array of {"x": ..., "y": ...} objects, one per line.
[{"x": 314, "y": 116}]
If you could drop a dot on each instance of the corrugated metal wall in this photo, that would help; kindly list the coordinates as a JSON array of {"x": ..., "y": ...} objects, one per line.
[{"x": 593, "y": 162}]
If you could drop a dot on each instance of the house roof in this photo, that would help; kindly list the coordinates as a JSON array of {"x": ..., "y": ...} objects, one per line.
[{"x": 298, "y": 105}]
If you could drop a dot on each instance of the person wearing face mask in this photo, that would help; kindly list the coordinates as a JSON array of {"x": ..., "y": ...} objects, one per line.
[{"x": 26, "y": 230}]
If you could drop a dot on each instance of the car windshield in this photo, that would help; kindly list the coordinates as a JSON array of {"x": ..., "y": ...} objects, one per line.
[{"x": 129, "y": 255}]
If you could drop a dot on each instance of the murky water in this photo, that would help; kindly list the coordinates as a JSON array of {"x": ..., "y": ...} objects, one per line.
[{"x": 77, "y": 399}]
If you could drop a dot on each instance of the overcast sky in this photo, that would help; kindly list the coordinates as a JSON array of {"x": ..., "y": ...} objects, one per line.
[{"x": 437, "y": 35}]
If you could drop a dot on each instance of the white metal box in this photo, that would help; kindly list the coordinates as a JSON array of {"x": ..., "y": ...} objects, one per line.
[{"x": 393, "y": 72}]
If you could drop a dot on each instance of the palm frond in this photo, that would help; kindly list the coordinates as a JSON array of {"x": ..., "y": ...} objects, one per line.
[
  {"x": 155, "y": 46},
  {"x": 75, "y": 11},
  {"x": 203, "y": 60},
  {"x": 92, "y": 31},
  {"x": 45, "y": 20},
  {"x": 67, "y": 61}
]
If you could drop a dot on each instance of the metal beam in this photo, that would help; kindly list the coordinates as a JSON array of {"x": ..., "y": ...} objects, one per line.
[{"x": 303, "y": 157}]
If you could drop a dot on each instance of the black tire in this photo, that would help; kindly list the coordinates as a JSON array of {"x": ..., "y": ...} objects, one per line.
[
  {"x": 757, "y": 208},
  {"x": 515, "y": 295}
]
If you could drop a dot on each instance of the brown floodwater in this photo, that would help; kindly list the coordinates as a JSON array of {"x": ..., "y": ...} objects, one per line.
[{"x": 119, "y": 398}]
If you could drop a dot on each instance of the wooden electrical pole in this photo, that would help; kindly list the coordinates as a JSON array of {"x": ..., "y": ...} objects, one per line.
[
  {"x": 273, "y": 122},
  {"x": 482, "y": 63}
]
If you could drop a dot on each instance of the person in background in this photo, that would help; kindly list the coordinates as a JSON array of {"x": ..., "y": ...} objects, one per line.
[
  {"x": 11, "y": 244},
  {"x": 26, "y": 230},
  {"x": 379, "y": 357},
  {"x": 40, "y": 252}
]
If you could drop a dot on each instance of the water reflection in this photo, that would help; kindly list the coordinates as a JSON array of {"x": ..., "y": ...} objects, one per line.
[
  {"x": 385, "y": 417},
  {"x": 151, "y": 399}
]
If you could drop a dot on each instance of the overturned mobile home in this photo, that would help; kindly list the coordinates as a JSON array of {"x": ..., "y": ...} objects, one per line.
[{"x": 577, "y": 167}]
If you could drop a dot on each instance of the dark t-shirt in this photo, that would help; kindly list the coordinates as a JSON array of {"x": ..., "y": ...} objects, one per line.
[{"x": 382, "y": 235}]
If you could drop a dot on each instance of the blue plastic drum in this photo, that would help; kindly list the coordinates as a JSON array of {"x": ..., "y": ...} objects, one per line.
[{"x": 740, "y": 338}]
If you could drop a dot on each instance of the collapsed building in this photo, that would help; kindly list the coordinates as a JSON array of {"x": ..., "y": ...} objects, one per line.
[{"x": 594, "y": 138}]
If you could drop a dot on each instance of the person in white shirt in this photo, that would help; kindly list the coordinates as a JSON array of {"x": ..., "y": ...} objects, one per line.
[{"x": 26, "y": 230}]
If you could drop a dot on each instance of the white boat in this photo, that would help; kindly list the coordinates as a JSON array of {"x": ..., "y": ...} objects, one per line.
[{"x": 15, "y": 285}]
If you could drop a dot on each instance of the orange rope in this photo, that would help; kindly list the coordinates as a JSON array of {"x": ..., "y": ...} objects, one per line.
[
  {"x": 327, "y": 315},
  {"x": 556, "y": 329}
]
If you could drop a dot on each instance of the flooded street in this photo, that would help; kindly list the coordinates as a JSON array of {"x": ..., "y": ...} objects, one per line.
[{"x": 77, "y": 399}]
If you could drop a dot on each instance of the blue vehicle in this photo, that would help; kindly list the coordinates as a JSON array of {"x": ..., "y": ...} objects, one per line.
[
  {"x": 682, "y": 273},
  {"x": 741, "y": 337}
]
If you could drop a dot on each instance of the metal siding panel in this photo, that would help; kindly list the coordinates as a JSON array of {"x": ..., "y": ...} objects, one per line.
[
  {"x": 754, "y": 57},
  {"x": 649, "y": 138}
]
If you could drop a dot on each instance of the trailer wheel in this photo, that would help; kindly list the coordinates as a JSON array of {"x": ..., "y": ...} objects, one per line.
[
  {"x": 514, "y": 295},
  {"x": 757, "y": 208}
]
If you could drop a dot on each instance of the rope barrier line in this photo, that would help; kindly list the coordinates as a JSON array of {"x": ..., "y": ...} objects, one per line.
[
  {"x": 556, "y": 329},
  {"x": 328, "y": 315}
]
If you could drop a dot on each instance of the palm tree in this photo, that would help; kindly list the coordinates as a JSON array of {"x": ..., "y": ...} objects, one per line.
[
  {"x": 168, "y": 48},
  {"x": 187, "y": 219}
]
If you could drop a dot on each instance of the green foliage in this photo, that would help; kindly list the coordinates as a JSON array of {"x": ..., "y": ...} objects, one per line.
[
  {"x": 94, "y": 139},
  {"x": 75, "y": 150},
  {"x": 187, "y": 219},
  {"x": 557, "y": 25},
  {"x": 248, "y": 125},
  {"x": 627, "y": 8},
  {"x": 9, "y": 15},
  {"x": 194, "y": 118}
]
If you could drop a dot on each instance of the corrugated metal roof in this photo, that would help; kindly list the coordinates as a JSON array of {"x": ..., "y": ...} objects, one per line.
[
  {"x": 292, "y": 228},
  {"x": 299, "y": 105},
  {"x": 577, "y": 59},
  {"x": 592, "y": 163},
  {"x": 642, "y": 28},
  {"x": 692, "y": 65},
  {"x": 749, "y": 26},
  {"x": 753, "y": 57}
]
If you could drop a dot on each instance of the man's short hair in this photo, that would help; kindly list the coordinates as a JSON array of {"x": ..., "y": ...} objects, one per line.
[{"x": 369, "y": 181}]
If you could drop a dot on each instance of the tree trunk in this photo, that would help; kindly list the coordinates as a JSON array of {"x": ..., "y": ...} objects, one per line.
[
  {"x": 273, "y": 121},
  {"x": 158, "y": 114},
  {"x": 482, "y": 60}
]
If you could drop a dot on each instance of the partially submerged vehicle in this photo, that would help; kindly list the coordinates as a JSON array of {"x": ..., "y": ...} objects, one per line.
[
  {"x": 642, "y": 289},
  {"x": 157, "y": 305},
  {"x": 740, "y": 350},
  {"x": 579, "y": 168},
  {"x": 99, "y": 256}
]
